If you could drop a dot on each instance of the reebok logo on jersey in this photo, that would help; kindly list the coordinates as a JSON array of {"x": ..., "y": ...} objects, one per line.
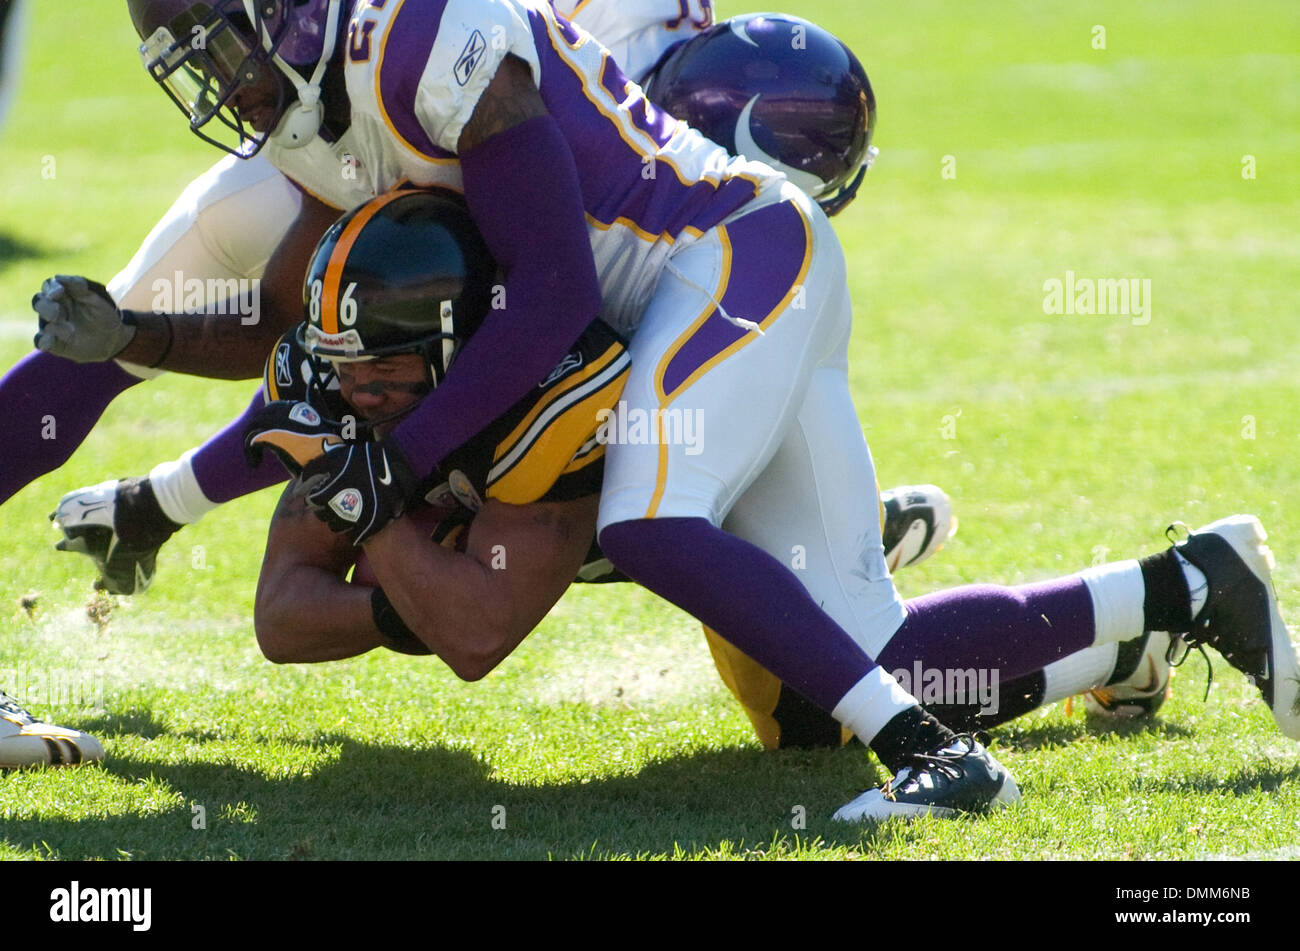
[
  {"x": 571, "y": 361},
  {"x": 470, "y": 57},
  {"x": 283, "y": 372},
  {"x": 347, "y": 505}
]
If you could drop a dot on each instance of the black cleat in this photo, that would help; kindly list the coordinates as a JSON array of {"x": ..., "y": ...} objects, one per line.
[
  {"x": 1241, "y": 619},
  {"x": 962, "y": 777}
]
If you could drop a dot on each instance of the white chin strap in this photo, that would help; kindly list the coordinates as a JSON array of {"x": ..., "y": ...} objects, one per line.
[{"x": 301, "y": 121}]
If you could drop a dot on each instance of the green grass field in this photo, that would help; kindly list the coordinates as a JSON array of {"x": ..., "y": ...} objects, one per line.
[{"x": 608, "y": 734}]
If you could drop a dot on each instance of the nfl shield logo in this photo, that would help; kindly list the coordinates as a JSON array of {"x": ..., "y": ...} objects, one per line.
[
  {"x": 347, "y": 505},
  {"x": 303, "y": 413}
]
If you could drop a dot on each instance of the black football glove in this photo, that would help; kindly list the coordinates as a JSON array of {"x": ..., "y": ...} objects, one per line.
[
  {"x": 358, "y": 488},
  {"x": 295, "y": 432},
  {"x": 79, "y": 320}
]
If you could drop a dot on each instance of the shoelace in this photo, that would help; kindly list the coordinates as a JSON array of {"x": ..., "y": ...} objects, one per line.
[
  {"x": 938, "y": 761},
  {"x": 1190, "y": 644},
  {"x": 1189, "y": 640},
  {"x": 9, "y": 705}
]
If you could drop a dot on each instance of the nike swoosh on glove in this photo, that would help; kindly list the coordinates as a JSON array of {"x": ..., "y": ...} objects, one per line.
[
  {"x": 79, "y": 320},
  {"x": 295, "y": 432},
  {"x": 358, "y": 488}
]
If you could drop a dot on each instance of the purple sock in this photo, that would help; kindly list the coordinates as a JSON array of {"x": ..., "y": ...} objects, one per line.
[
  {"x": 746, "y": 595},
  {"x": 50, "y": 406},
  {"x": 220, "y": 468},
  {"x": 982, "y": 627}
]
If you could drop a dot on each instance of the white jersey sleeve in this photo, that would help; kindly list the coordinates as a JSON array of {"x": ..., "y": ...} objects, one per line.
[
  {"x": 638, "y": 32},
  {"x": 474, "y": 37}
]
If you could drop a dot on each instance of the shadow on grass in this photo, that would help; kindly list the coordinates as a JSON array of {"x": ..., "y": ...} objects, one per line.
[
  {"x": 389, "y": 802},
  {"x": 1025, "y": 735},
  {"x": 13, "y": 250},
  {"x": 1263, "y": 778},
  {"x": 373, "y": 801},
  {"x": 135, "y": 721}
]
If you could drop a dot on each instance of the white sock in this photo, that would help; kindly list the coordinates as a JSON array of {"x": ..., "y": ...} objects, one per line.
[
  {"x": 178, "y": 492},
  {"x": 1118, "y": 595},
  {"x": 1197, "y": 586},
  {"x": 871, "y": 703},
  {"x": 1081, "y": 671}
]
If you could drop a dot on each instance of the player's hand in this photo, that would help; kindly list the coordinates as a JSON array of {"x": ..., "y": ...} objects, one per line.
[
  {"x": 79, "y": 320},
  {"x": 358, "y": 488},
  {"x": 295, "y": 432}
]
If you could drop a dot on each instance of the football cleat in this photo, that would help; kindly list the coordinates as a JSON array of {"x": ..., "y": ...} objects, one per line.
[
  {"x": 962, "y": 777},
  {"x": 1240, "y": 618},
  {"x": 918, "y": 521},
  {"x": 1139, "y": 685},
  {"x": 26, "y": 741},
  {"x": 119, "y": 526}
]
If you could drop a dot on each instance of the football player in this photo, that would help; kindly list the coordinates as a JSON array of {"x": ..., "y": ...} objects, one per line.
[
  {"x": 500, "y": 531},
  {"x": 829, "y": 158},
  {"x": 245, "y": 220},
  {"x": 729, "y": 279},
  {"x": 122, "y": 524},
  {"x": 598, "y": 204},
  {"x": 475, "y": 563}
]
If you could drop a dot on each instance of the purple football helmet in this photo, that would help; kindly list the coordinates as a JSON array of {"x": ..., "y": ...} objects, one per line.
[
  {"x": 778, "y": 90},
  {"x": 238, "y": 62}
]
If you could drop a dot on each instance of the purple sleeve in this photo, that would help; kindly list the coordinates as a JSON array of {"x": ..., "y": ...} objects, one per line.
[{"x": 523, "y": 191}]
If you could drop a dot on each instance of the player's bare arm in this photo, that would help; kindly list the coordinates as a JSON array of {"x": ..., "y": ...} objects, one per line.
[
  {"x": 473, "y": 609},
  {"x": 305, "y": 612},
  {"x": 186, "y": 343}
]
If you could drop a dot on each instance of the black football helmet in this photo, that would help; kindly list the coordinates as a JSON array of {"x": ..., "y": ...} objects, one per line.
[
  {"x": 779, "y": 90},
  {"x": 208, "y": 56},
  {"x": 407, "y": 272}
]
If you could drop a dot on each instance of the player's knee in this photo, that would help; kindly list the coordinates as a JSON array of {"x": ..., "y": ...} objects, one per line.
[{"x": 622, "y": 541}]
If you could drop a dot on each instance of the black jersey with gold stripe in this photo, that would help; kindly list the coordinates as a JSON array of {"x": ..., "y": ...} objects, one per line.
[{"x": 543, "y": 449}]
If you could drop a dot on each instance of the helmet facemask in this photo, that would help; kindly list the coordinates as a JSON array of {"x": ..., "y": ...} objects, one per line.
[
  {"x": 209, "y": 57},
  {"x": 436, "y": 353},
  {"x": 202, "y": 58},
  {"x": 833, "y": 204}
]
